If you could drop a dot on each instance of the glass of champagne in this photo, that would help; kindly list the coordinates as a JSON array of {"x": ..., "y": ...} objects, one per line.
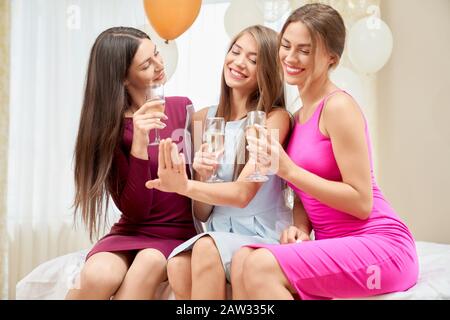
[
  {"x": 255, "y": 118},
  {"x": 156, "y": 92},
  {"x": 214, "y": 136}
]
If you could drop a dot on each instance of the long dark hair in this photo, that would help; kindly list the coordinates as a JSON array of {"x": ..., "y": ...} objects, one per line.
[
  {"x": 269, "y": 92},
  {"x": 101, "y": 121}
]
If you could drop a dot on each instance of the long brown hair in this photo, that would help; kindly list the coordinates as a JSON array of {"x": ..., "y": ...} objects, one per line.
[
  {"x": 270, "y": 89},
  {"x": 324, "y": 24},
  {"x": 101, "y": 121}
]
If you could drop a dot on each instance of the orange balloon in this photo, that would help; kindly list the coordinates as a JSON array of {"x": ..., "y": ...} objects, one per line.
[{"x": 170, "y": 18}]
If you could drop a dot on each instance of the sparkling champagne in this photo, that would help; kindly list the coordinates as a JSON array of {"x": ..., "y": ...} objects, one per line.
[{"x": 215, "y": 140}]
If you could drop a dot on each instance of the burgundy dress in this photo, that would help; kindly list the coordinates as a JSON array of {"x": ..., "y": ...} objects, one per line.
[{"x": 150, "y": 218}]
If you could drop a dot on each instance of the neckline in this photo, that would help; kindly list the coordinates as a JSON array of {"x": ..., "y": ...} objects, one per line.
[
  {"x": 297, "y": 120},
  {"x": 319, "y": 106}
]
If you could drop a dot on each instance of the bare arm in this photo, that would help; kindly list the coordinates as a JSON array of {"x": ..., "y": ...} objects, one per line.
[
  {"x": 301, "y": 220},
  {"x": 345, "y": 126},
  {"x": 236, "y": 194}
]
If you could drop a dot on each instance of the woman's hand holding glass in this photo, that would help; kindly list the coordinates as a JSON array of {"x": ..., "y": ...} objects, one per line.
[
  {"x": 147, "y": 118},
  {"x": 267, "y": 152},
  {"x": 155, "y": 93},
  {"x": 206, "y": 163},
  {"x": 214, "y": 138}
]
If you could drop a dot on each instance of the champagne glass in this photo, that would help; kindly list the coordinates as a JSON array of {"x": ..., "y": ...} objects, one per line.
[
  {"x": 156, "y": 92},
  {"x": 255, "y": 118},
  {"x": 214, "y": 136}
]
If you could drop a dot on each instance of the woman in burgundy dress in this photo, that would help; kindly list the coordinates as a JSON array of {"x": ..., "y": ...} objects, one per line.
[{"x": 113, "y": 158}]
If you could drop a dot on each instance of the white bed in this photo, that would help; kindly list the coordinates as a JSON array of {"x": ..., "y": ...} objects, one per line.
[{"x": 52, "y": 279}]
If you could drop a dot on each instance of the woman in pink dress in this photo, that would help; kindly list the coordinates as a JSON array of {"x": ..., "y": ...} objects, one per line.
[
  {"x": 113, "y": 158},
  {"x": 361, "y": 247}
]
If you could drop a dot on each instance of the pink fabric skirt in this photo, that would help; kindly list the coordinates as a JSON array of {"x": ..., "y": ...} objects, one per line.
[{"x": 348, "y": 267}]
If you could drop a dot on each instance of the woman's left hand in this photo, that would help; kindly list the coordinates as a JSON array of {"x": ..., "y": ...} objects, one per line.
[
  {"x": 292, "y": 234},
  {"x": 172, "y": 175},
  {"x": 267, "y": 152}
]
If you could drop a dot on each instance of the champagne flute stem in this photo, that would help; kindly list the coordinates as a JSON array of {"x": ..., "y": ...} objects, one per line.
[
  {"x": 157, "y": 138},
  {"x": 214, "y": 175}
]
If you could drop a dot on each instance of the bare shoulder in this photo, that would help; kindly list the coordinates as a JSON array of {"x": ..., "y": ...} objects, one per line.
[
  {"x": 280, "y": 119},
  {"x": 341, "y": 105},
  {"x": 279, "y": 114},
  {"x": 343, "y": 111},
  {"x": 200, "y": 114},
  {"x": 342, "y": 116}
]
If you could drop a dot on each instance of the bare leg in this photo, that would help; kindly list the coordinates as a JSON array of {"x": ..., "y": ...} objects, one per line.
[
  {"x": 208, "y": 275},
  {"x": 237, "y": 279},
  {"x": 179, "y": 274},
  {"x": 264, "y": 279},
  {"x": 100, "y": 277},
  {"x": 146, "y": 273}
]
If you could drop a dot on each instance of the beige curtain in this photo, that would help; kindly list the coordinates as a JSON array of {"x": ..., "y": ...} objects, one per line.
[{"x": 4, "y": 103}]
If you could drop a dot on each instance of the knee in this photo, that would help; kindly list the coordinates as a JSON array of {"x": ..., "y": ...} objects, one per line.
[
  {"x": 205, "y": 246},
  {"x": 179, "y": 274},
  {"x": 205, "y": 254},
  {"x": 257, "y": 268},
  {"x": 237, "y": 263},
  {"x": 148, "y": 265},
  {"x": 177, "y": 268},
  {"x": 102, "y": 276}
]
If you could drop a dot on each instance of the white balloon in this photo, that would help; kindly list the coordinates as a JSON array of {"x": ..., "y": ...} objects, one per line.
[
  {"x": 169, "y": 51},
  {"x": 240, "y": 15},
  {"x": 349, "y": 81},
  {"x": 370, "y": 44}
]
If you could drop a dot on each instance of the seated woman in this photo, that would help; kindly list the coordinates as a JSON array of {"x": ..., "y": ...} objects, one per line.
[
  {"x": 362, "y": 248},
  {"x": 236, "y": 212},
  {"x": 113, "y": 157}
]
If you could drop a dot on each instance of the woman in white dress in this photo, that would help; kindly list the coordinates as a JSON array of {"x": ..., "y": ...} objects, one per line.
[{"x": 235, "y": 212}]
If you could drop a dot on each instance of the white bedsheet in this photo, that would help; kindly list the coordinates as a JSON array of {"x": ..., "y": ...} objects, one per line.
[{"x": 52, "y": 279}]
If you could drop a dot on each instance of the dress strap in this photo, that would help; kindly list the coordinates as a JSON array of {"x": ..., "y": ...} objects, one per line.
[{"x": 324, "y": 101}]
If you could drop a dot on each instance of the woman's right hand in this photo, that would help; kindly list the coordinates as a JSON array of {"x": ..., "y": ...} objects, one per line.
[
  {"x": 205, "y": 162},
  {"x": 146, "y": 119}
]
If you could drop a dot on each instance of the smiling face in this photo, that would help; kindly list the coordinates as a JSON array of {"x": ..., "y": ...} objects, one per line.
[
  {"x": 240, "y": 64},
  {"x": 300, "y": 58},
  {"x": 147, "y": 67}
]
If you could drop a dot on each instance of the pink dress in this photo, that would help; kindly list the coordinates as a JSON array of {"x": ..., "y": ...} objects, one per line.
[{"x": 349, "y": 257}]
